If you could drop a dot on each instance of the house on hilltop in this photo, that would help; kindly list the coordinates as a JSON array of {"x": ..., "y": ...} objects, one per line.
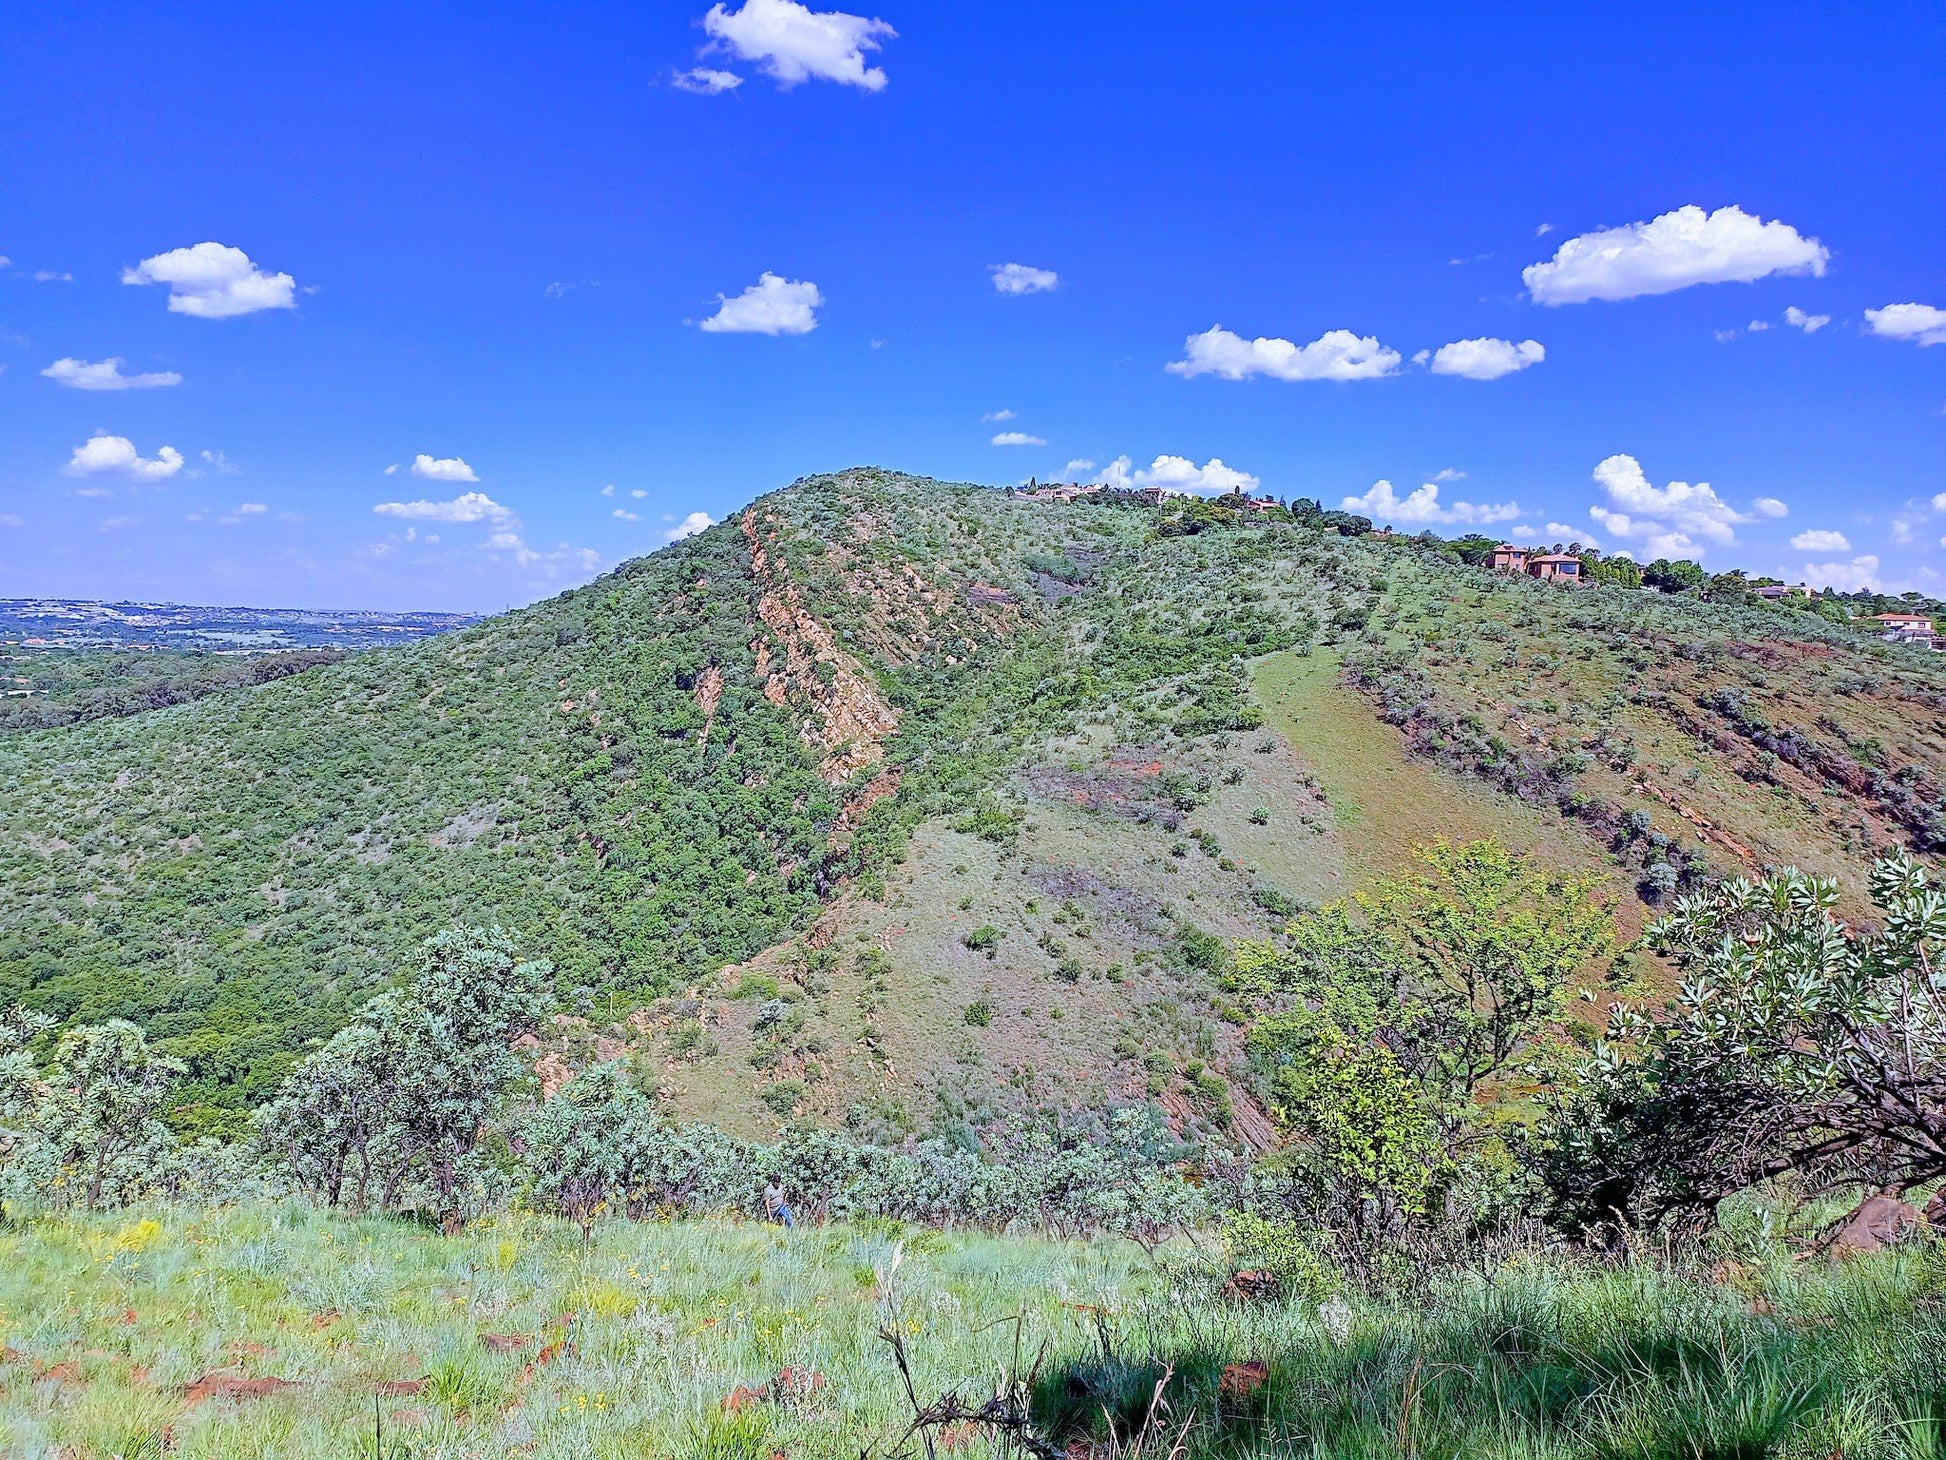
[
  {"x": 1555, "y": 567},
  {"x": 1909, "y": 628},
  {"x": 1904, "y": 623},
  {"x": 1508, "y": 559},
  {"x": 1534, "y": 563},
  {"x": 1774, "y": 591}
]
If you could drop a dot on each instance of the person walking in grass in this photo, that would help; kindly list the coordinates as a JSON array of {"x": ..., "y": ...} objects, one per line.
[{"x": 775, "y": 1207}]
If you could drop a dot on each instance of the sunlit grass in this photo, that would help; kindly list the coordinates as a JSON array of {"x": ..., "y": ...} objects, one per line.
[{"x": 511, "y": 1338}]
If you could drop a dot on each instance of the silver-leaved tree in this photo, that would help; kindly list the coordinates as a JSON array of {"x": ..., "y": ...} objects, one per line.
[
  {"x": 1796, "y": 1044},
  {"x": 390, "y": 1111}
]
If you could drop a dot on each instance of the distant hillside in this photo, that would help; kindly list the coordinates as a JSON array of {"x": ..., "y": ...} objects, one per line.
[
  {"x": 894, "y": 803},
  {"x": 86, "y": 623}
]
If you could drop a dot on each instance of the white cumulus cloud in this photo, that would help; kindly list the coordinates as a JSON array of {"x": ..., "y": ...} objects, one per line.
[
  {"x": 1691, "y": 512},
  {"x": 1670, "y": 252},
  {"x": 1022, "y": 278},
  {"x": 106, "y": 375},
  {"x": 705, "y": 81},
  {"x": 1847, "y": 577},
  {"x": 1570, "y": 533},
  {"x": 997, "y": 416},
  {"x": 1923, "y": 324},
  {"x": 1678, "y": 520},
  {"x": 212, "y": 281},
  {"x": 1821, "y": 540},
  {"x": 467, "y": 507},
  {"x": 1017, "y": 438},
  {"x": 794, "y": 43},
  {"x": 1421, "y": 506},
  {"x": 622, "y": 514},
  {"x": 772, "y": 306},
  {"x": 694, "y": 523},
  {"x": 115, "y": 456},
  {"x": 1177, "y": 475},
  {"x": 1486, "y": 359},
  {"x": 1809, "y": 323},
  {"x": 1333, "y": 355},
  {"x": 442, "y": 469}
]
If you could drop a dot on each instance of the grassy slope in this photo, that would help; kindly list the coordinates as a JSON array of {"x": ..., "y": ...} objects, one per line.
[
  {"x": 827, "y": 740},
  {"x": 110, "y": 1323}
]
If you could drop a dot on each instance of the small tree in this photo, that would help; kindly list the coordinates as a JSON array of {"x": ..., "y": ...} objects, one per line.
[
  {"x": 1795, "y": 1044},
  {"x": 1489, "y": 943},
  {"x": 96, "y": 1121},
  {"x": 1388, "y": 1026},
  {"x": 580, "y": 1147},
  {"x": 402, "y": 1094}
]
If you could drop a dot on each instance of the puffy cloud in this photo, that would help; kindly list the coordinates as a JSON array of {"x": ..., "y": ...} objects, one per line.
[
  {"x": 251, "y": 509},
  {"x": 1022, "y": 278},
  {"x": 1821, "y": 540},
  {"x": 1569, "y": 532},
  {"x": 1449, "y": 474},
  {"x": 215, "y": 463},
  {"x": 705, "y": 82},
  {"x": 609, "y": 490},
  {"x": 694, "y": 523},
  {"x": 565, "y": 561},
  {"x": 1017, "y": 438},
  {"x": 997, "y": 416},
  {"x": 442, "y": 469},
  {"x": 1860, "y": 572},
  {"x": 211, "y": 281},
  {"x": 1668, "y": 518},
  {"x": 1486, "y": 359},
  {"x": 1939, "y": 502},
  {"x": 1177, "y": 475},
  {"x": 1809, "y": 323},
  {"x": 1673, "y": 252},
  {"x": 622, "y": 514},
  {"x": 1421, "y": 506},
  {"x": 1657, "y": 541},
  {"x": 1923, "y": 324},
  {"x": 771, "y": 306},
  {"x": 115, "y": 456},
  {"x": 1333, "y": 355},
  {"x": 467, "y": 507},
  {"x": 1770, "y": 507},
  {"x": 105, "y": 375},
  {"x": 794, "y": 43}
]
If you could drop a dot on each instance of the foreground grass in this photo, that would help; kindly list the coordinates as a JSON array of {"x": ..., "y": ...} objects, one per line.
[{"x": 139, "y": 1335}]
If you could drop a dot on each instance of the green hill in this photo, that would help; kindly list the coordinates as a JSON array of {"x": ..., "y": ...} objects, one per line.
[{"x": 895, "y": 802}]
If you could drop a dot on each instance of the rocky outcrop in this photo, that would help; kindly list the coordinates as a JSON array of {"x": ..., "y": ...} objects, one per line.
[{"x": 848, "y": 718}]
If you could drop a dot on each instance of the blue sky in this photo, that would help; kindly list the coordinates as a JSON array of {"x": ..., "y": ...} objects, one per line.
[{"x": 501, "y": 238}]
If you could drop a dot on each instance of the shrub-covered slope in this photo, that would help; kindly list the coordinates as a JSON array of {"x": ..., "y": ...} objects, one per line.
[{"x": 961, "y": 793}]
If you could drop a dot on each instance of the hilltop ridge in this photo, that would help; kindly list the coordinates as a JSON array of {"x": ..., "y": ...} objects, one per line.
[{"x": 895, "y": 803}]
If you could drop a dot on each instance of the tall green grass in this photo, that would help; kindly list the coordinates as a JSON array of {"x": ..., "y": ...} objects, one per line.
[{"x": 107, "y": 1321}]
